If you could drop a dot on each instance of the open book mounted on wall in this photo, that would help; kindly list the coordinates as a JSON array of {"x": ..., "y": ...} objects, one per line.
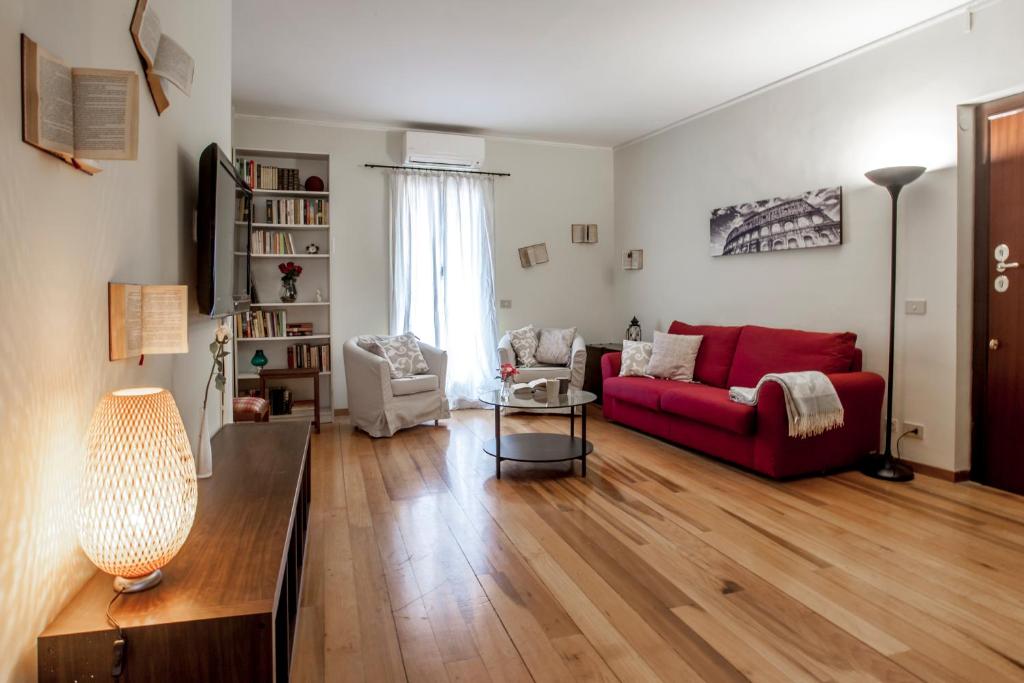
[
  {"x": 162, "y": 57},
  {"x": 77, "y": 114},
  {"x": 147, "y": 319}
]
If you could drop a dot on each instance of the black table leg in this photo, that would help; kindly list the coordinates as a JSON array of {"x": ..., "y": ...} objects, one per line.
[
  {"x": 497, "y": 442},
  {"x": 583, "y": 447},
  {"x": 572, "y": 421}
]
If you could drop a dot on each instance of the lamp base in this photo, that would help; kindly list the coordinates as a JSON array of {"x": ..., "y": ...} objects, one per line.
[
  {"x": 887, "y": 468},
  {"x": 123, "y": 585}
]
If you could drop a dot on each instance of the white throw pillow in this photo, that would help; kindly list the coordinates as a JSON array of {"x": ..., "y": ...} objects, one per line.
[
  {"x": 635, "y": 356},
  {"x": 402, "y": 352},
  {"x": 524, "y": 343},
  {"x": 555, "y": 346},
  {"x": 674, "y": 356}
]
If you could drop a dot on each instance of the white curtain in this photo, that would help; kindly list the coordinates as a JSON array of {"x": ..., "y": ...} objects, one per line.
[{"x": 442, "y": 272}]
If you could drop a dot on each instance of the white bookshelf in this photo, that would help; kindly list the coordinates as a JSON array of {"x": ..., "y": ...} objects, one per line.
[{"x": 316, "y": 275}]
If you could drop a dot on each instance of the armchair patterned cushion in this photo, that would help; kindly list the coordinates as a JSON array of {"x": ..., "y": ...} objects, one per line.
[{"x": 380, "y": 405}]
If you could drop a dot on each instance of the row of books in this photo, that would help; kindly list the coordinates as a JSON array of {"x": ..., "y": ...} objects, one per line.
[
  {"x": 271, "y": 242},
  {"x": 263, "y": 177},
  {"x": 257, "y": 324},
  {"x": 296, "y": 211},
  {"x": 310, "y": 356},
  {"x": 299, "y": 329}
]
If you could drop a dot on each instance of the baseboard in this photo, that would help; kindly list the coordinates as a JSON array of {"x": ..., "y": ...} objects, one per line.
[{"x": 938, "y": 472}]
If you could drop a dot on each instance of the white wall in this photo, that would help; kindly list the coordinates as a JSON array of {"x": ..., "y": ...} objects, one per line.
[
  {"x": 892, "y": 104},
  {"x": 551, "y": 187},
  {"x": 65, "y": 235}
]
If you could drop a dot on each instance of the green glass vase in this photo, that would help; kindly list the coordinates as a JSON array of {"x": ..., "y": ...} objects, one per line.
[{"x": 259, "y": 359}]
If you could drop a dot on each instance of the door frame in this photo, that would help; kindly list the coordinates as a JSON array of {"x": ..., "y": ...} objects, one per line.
[{"x": 982, "y": 262}]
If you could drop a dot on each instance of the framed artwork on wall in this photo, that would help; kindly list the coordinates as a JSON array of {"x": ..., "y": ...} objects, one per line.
[{"x": 803, "y": 221}]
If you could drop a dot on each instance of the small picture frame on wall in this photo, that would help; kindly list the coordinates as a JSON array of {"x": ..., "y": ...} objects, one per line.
[
  {"x": 533, "y": 254},
  {"x": 584, "y": 233},
  {"x": 633, "y": 259}
]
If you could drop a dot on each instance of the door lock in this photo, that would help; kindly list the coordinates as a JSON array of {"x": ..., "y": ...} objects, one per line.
[{"x": 993, "y": 344}]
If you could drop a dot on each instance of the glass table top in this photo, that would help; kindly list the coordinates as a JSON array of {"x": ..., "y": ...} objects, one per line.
[{"x": 503, "y": 399}]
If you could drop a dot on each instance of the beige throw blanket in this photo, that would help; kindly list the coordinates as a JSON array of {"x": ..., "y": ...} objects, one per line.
[{"x": 812, "y": 403}]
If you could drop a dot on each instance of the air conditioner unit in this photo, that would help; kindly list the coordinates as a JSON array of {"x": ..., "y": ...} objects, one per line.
[{"x": 444, "y": 150}]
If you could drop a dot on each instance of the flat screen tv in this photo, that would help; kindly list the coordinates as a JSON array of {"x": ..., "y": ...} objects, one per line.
[{"x": 223, "y": 230}]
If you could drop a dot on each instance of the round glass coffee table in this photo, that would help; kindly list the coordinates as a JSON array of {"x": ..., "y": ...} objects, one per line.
[{"x": 541, "y": 447}]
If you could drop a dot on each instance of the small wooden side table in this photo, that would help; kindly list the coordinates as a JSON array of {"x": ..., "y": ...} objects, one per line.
[
  {"x": 295, "y": 373},
  {"x": 592, "y": 380}
]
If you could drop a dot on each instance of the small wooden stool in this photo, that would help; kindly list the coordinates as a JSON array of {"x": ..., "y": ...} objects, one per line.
[{"x": 295, "y": 373}]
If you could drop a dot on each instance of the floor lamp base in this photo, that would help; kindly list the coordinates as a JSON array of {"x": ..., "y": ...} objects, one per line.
[{"x": 887, "y": 468}]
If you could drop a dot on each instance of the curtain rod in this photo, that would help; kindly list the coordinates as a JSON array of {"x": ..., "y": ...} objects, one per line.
[{"x": 439, "y": 170}]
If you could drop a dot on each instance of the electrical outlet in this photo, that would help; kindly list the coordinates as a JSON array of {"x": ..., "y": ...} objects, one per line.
[
  {"x": 916, "y": 306},
  {"x": 913, "y": 430},
  {"x": 506, "y": 303}
]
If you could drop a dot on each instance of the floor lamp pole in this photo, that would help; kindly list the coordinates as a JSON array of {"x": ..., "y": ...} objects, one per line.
[{"x": 886, "y": 466}]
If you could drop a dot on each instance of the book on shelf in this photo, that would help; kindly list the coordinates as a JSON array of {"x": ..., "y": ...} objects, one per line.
[
  {"x": 317, "y": 356},
  {"x": 271, "y": 242},
  {"x": 260, "y": 324},
  {"x": 262, "y": 176},
  {"x": 299, "y": 329},
  {"x": 297, "y": 211},
  {"x": 76, "y": 114}
]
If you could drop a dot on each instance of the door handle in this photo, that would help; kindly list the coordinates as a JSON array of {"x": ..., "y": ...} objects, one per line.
[
  {"x": 1001, "y": 267},
  {"x": 993, "y": 344}
]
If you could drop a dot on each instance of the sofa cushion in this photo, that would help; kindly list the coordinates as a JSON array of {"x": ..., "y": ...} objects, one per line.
[
  {"x": 555, "y": 346},
  {"x": 710, "y": 405},
  {"x": 416, "y": 384},
  {"x": 714, "y": 358},
  {"x": 673, "y": 356},
  {"x": 761, "y": 350},
  {"x": 641, "y": 391}
]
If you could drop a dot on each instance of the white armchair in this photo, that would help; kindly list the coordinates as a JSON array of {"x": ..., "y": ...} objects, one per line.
[
  {"x": 573, "y": 371},
  {"x": 381, "y": 406}
]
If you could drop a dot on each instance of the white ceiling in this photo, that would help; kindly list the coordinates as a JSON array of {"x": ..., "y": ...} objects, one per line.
[{"x": 598, "y": 72}]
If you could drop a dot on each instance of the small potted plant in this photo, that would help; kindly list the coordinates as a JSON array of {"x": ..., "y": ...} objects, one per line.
[{"x": 290, "y": 272}]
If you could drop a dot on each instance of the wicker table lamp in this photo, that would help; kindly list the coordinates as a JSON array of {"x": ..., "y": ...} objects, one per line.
[{"x": 138, "y": 496}]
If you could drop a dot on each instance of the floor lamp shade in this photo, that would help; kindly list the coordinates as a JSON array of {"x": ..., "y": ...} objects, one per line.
[{"x": 138, "y": 496}]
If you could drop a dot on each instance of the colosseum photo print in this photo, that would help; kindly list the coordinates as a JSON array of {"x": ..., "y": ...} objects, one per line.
[{"x": 811, "y": 219}]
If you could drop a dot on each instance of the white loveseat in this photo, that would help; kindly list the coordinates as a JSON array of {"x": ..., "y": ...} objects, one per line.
[{"x": 573, "y": 371}]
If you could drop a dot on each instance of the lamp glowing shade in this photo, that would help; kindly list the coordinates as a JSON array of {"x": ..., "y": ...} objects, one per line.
[{"x": 138, "y": 496}]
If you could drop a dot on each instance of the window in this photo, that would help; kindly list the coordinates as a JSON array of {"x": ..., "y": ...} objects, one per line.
[{"x": 442, "y": 272}]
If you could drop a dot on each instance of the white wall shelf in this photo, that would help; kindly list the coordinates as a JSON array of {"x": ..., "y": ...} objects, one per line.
[
  {"x": 289, "y": 193},
  {"x": 242, "y": 253},
  {"x": 291, "y": 339},
  {"x": 316, "y": 276}
]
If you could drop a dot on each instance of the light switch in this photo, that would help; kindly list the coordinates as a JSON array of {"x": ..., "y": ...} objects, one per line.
[
  {"x": 506, "y": 303},
  {"x": 916, "y": 307}
]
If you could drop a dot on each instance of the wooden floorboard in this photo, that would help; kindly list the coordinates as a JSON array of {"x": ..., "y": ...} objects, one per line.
[{"x": 659, "y": 565}]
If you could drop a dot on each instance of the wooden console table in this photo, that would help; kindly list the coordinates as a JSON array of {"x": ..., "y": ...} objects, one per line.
[
  {"x": 292, "y": 373},
  {"x": 227, "y": 606},
  {"x": 592, "y": 380}
]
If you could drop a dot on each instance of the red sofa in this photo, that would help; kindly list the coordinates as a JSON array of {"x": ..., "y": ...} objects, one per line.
[{"x": 700, "y": 415}]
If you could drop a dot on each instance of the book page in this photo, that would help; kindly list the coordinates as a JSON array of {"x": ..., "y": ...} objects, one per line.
[
  {"x": 106, "y": 112},
  {"x": 146, "y": 32},
  {"x": 175, "y": 64},
  {"x": 47, "y": 100},
  {"x": 125, "y": 320},
  {"x": 164, "y": 319}
]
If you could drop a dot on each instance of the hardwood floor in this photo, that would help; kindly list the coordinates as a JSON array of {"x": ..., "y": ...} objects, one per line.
[{"x": 660, "y": 565}]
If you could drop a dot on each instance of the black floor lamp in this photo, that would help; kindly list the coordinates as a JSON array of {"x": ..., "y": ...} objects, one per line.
[{"x": 893, "y": 178}]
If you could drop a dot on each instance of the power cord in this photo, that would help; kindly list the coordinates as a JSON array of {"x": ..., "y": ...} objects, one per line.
[
  {"x": 899, "y": 456},
  {"x": 120, "y": 644}
]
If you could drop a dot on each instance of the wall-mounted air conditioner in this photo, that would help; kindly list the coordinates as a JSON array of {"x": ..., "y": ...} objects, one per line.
[{"x": 444, "y": 150}]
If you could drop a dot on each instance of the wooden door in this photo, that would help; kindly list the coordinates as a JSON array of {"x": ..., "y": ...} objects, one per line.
[{"x": 1002, "y": 423}]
